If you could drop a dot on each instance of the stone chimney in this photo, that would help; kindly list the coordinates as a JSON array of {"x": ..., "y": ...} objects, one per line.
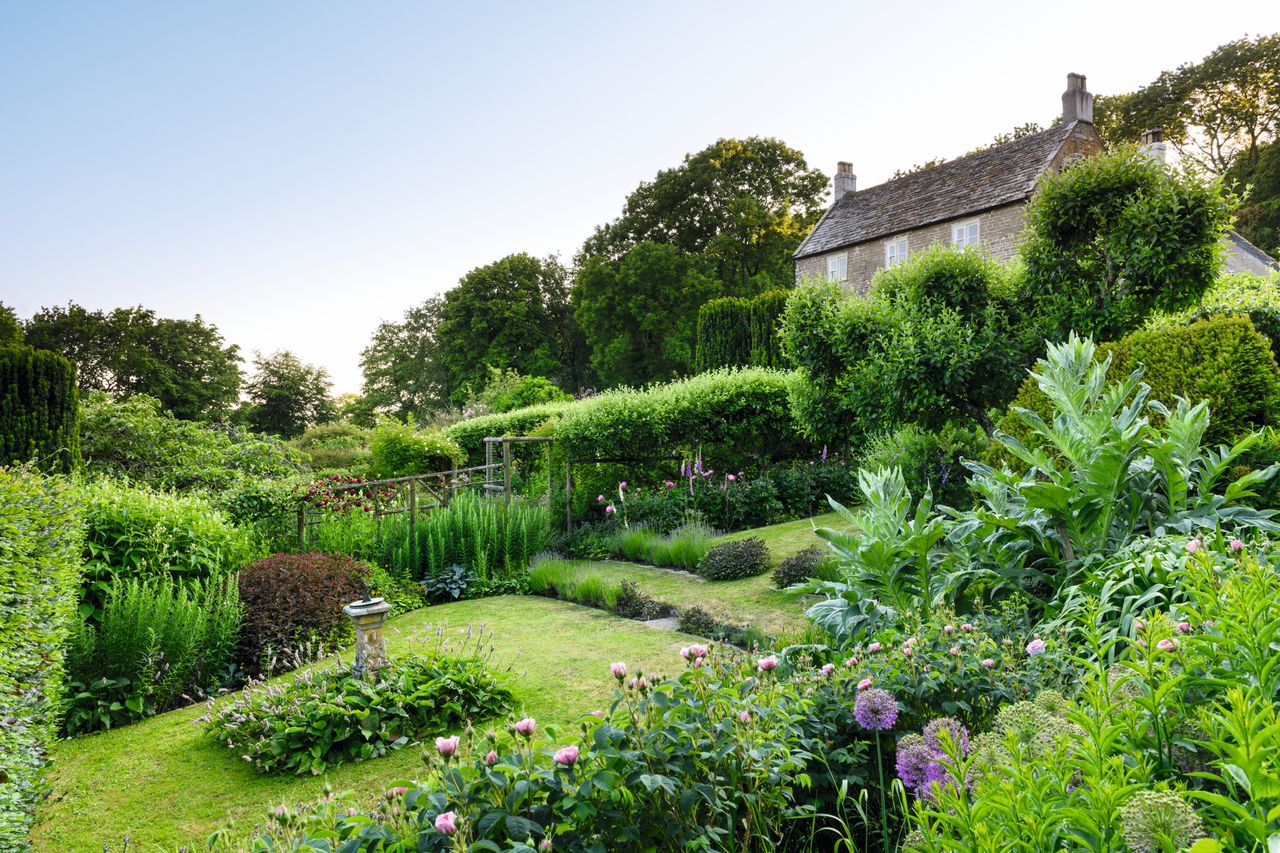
[
  {"x": 846, "y": 182},
  {"x": 1153, "y": 144},
  {"x": 1077, "y": 103}
]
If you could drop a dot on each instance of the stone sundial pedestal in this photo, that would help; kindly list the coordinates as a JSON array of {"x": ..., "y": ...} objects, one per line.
[{"x": 368, "y": 616}]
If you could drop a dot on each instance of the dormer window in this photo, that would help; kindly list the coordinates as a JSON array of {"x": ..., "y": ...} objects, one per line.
[
  {"x": 895, "y": 252},
  {"x": 838, "y": 267},
  {"x": 965, "y": 234}
]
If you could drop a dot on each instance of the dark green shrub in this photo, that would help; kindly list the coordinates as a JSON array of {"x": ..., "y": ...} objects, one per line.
[
  {"x": 766, "y": 321},
  {"x": 1255, "y": 295},
  {"x": 136, "y": 532},
  {"x": 634, "y": 604},
  {"x": 734, "y": 559},
  {"x": 39, "y": 580},
  {"x": 38, "y": 409},
  {"x": 324, "y": 718},
  {"x": 811, "y": 563},
  {"x": 158, "y": 644},
  {"x": 292, "y": 600},
  {"x": 929, "y": 459},
  {"x": 1222, "y": 360},
  {"x": 399, "y": 450},
  {"x": 803, "y": 486},
  {"x": 471, "y": 433},
  {"x": 724, "y": 333},
  {"x": 138, "y": 439}
]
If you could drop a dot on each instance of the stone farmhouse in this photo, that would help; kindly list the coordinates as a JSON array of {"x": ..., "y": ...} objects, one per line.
[{"x": 978, "y": 200}]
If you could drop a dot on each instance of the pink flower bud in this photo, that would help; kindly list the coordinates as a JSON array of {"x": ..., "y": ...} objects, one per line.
[
  {"x": 1194, "y": 545},
  {"x": 1236, "y": 545},
  {"x": 767, "y": 664},
  {"x": 865, "y": 683},
  {"x": 988, "y": 663},
  {"x": 966, "y": 627},
  {"x": 744, "y": 716},
  {"x": 948, "y": 629},
  {"x": 619, "y": 670},
  {"x": 828, "y": 668},
  {"x": 955, "y": 651},
  {"x": 526, "y": 727},
  {"x": 1184, "y": 627},
  {"x": 1168, "y": 644},
  {"x": 873, "y": 648},
  {"x": 446, "y": 823},
  {"x": 491, "y": 759},
  {"x": 447, "y": 746},
  {"x": 567, "y": 756}
]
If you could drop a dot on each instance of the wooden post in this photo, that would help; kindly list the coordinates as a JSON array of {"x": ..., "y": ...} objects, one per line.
[
  {"x": 506, "y": 472},
  {"x": 568, "y": 495},
  {"x": 549, "y": 480},
  {"x": 302, "y": 528},
  {"x": 377, "y": 523},
  {"x": 413, "y": 527}
]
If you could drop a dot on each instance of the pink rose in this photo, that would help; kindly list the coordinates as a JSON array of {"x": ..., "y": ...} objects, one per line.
[
  {"x": 865, "y": 683},
  {"x": 622, "y": 485},
  {"x": 597, "y": 713},
  {"x": 491, "y": 759},
  {"x": 610, "y": 510},
  {"x": 873, "y": 648},
  {"x": 1194, "y": 545},
  {"x": 1168, "y": 644},
  {"x": 744, "y": 716},
  {"x": 1035, "y": 647},
  {"x": 1184, "y": 627},
  {"x": 670, "y": 485},
  {"x": 948, "y": 629},
  {"x": 988, "y": 663},
  {"x": 1236, "y": 545},
  {"x": 828, "y": 668},
  {"x": 955, "y": 650},
  {"x": 731, "y": 478},
  {"x": 619, "y": 670},
  {"x": 567, "y": 756},
  {"x": 446, "y": 823},
  {"x": 398, "y": 791},
  {"x": 600, "y": 498},
  {"x": 851, "y": 662},
  {"x": 906, "y": 650},
  {"x": 526, "y": 726},
  {"x": 966, "y": 627},
  {"x": 767, "y": 664},
  {"x": 447, "y": 746}
]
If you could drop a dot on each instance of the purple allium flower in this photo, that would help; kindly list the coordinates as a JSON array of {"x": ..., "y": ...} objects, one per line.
[
  {"x": 1035, "y": 647},
  {"x": 875, "y": 709},
  {"x": 913, "y": 755},
  {"x": 959, "y": 734}
]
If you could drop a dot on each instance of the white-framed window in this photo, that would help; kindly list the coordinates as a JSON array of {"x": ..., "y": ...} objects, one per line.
[
  {"x": 895, "y": 252},
  {"x": 838, "y": 267},
  {"x": 965, "y": 234}
]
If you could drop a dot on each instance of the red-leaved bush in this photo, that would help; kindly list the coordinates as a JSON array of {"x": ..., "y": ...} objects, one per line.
[{"x": 291, "y": 600}]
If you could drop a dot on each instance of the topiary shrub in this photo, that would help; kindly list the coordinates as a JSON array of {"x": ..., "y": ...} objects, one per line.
[
  {"x": 1257, "y": 296},
  {"x": 813, "y": 562},
  {"x": 634, "y": 604},
  {"x": 291, "y": 600},
  {"x": 766, "y": 318},
  {"x": 39, "y": 579},
  {"x": 724, "y": 333},
  {"x": 38, "y": 409},
  {"x": 737, "y": 558}
]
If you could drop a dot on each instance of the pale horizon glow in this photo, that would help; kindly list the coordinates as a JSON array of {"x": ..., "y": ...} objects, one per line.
[{"x": 297, "y": 173}]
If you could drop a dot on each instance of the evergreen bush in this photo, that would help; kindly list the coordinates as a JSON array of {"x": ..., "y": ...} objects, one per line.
[
  {"x": 724, "y": 333},
  {"x": 766, "y": 319},
  {"x": 38, "y": 409}
]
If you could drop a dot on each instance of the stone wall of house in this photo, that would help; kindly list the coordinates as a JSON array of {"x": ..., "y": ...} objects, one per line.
[
  {"x": 999, "y": 233},
  {"x": 999, "y": 229}
]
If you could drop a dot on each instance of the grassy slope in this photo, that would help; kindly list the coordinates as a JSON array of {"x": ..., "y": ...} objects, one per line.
[
  {"x": 162, "y": 783},
  {"x": 747, "y": 602}
]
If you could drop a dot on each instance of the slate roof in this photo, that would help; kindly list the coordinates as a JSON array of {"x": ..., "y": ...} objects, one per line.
[
  {"x": 980, "y": 181},
  {"x": 1239, "y": 245}
]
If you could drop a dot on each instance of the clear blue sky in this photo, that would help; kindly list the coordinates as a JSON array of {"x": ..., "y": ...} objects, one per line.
[{"x": 297, "y": 171}]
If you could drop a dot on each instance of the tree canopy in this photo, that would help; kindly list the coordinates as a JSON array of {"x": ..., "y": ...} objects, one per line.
[
  {"x": 182, "y": 363},
  {"x": 743, "y": 205},
  {"x": 287, "y": 395},
  {"x": 404, "y": 370},
  {"x": 10, "y": 327}
]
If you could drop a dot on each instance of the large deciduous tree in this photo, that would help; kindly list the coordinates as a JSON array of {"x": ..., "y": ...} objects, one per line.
[
  {"x": 640, "y": 313},
  {"x": 512, "y": 313},
  {"x": 184, "y": 364},
  {"x": 404, "y": 368},
  {"x": 287, "y": 395},
  {"x": 743, "y": 205}
]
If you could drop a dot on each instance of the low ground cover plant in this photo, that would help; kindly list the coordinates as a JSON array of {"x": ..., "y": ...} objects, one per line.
[
  {"x": 330, "y": 716},
  {"x": 682, "y": 548}
]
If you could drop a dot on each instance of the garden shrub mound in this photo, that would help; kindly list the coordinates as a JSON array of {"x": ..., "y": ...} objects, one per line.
[
  {"x": 1256, "y": 296},
  {"x": 159, "y": 643},
  {"x": 39, "y": 582},
  {"x": 811, "y": 563},
  {"x": 138, "y": 532},
  {"x": 400, "y": 450},
  {"x": 930, "y": 460},
  {"x": 295, "y": 600},
  {"x": 735, "y": 559},
  {"x": 1222, "y": 360},
  {"x": 329, "y": 717},
  {"x": 38, "y": 409}
]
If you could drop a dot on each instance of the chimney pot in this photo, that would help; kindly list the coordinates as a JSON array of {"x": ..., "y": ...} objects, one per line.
[
  {"x": 846, "y": 182},
  {"x": 1153, "y": 144},
  {"x": 1077, "y": 102}
]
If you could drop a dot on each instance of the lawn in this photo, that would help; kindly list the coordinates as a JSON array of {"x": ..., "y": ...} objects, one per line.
[
  {"x": 161, "y": 783},
  {"x": 791, "y": 537}
]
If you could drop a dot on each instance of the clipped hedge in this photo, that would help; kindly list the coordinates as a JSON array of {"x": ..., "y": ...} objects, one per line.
[
  {"x": 724, "y": 333},
  {"x": 38, "y": 409},
  {"x": 766, "y": 317},
  {"x": 1223, "y": 360},
  {"x": 471, "y": 433},
  {"x": 399, "y": 450},
  {"x": 1255, "y": 295},
  {"x": 39, "y": 579}
]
